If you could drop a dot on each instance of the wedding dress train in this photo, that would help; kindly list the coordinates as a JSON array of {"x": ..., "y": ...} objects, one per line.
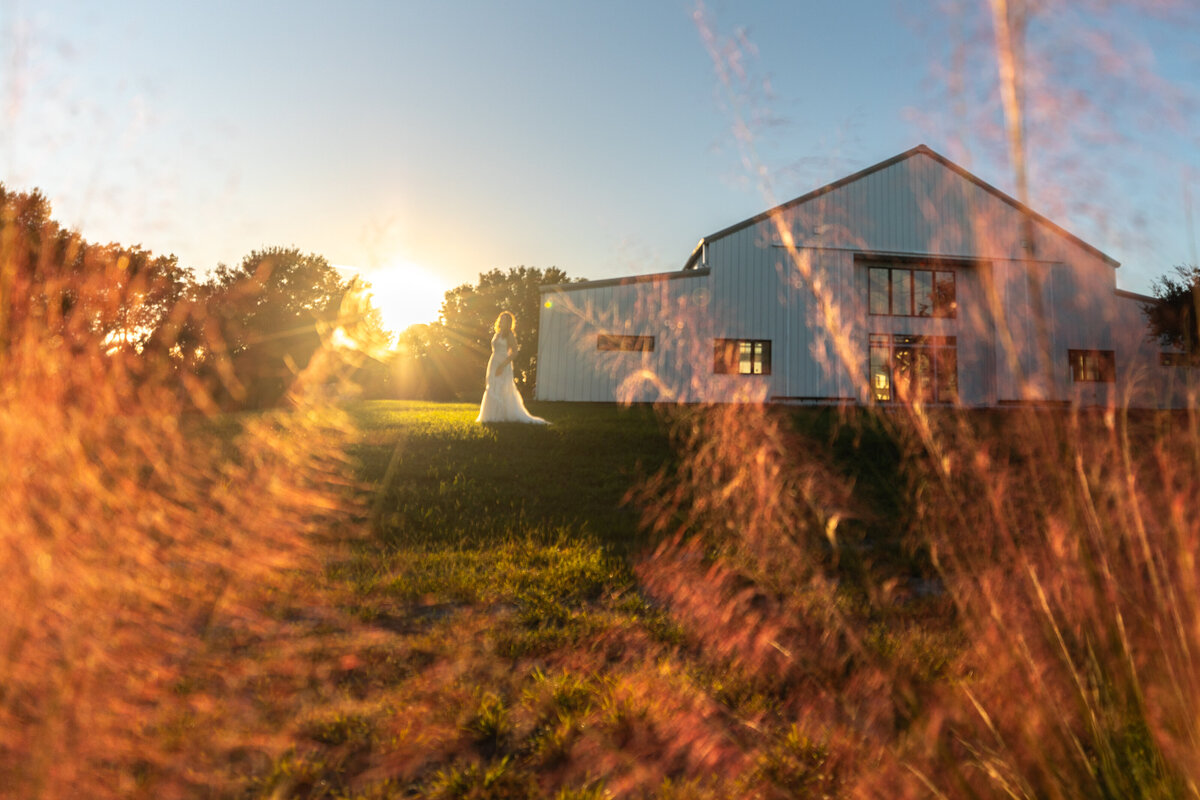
[{"x": 501, "y": 400}]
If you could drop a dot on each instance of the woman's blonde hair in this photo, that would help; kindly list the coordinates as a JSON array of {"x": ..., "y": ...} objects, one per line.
[{"x": 512, "y": 323}]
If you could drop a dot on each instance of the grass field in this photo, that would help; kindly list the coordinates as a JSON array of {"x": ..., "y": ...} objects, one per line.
[
  {"x": 497, "y": 573},
  {"x": 457, "y": 484},
  {"x": 512, "y": 649},
  {"x": 731, "y": 603},
  {"x": 725, "y": 603},
  {"x": 392, "y": 601}
]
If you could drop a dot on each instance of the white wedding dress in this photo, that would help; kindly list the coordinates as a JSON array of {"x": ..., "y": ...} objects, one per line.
[{"x": 501, "y": 400}]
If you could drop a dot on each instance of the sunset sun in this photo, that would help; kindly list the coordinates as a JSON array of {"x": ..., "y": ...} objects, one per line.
[{"x": 405, "y": 294}]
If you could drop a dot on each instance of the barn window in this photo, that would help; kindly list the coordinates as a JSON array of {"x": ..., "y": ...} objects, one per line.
[
  {"x": 742, "y": 357},
  {"x": 1092, "y": 366},
  {"x": 608, "y": 341},
  {"x": 907, "y": 367},
  {"x": 911, "y": 292},
  {"x": 1178, "y": 360}
]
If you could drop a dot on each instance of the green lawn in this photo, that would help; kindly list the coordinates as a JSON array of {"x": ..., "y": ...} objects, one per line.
[
  {"x": 532, "y": 518},
  {"x": 507, "y": 629},
  {"x": 444, "y": 481},
  {"x": 505, "y": 647}
]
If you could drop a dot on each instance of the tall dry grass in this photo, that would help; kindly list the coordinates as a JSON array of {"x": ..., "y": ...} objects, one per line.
[
  {"x": 1070, "y": 553},
  {"x": 143, "y": 540},
  {"x": 1033, "y": 631}
]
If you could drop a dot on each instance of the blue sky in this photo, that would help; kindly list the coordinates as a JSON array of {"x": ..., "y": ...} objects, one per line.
[{"x": 431, "y": 141}]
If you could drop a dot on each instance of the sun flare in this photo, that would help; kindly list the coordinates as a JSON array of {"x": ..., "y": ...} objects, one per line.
[{"x": 405, "y": 294}]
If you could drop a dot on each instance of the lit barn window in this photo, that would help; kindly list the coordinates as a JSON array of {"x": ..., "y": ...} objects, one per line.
[
  {"x": 907, "y": 367},
  {"x": 1092, "y": 366},
  {"x": 742, "y": 357},
  {"x": 911, "y": 292},
  {"x": 607, "y": 341}
]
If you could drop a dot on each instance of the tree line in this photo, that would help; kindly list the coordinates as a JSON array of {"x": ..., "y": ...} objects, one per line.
[{"x": 238, "y": 337}]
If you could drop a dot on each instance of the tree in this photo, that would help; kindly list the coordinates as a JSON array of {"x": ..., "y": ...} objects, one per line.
[
  {"x": 1174, "y": 317},
  {"x": 464, "y": 330},
  {"x": 270, "y": 310},
  {"x": 54, "y": 282},
  {"x": 149, "y": 291}
]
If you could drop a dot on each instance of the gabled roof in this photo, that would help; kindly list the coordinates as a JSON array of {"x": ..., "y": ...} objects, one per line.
[{"x": 693, "y": 259}]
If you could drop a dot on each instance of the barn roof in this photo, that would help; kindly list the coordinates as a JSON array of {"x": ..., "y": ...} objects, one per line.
[
  {"x": 623, "y": 281},
  {"x": 694, "y": 258}
]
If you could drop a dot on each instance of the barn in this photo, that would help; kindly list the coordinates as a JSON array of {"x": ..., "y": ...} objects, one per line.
[{"x": 909, "y": 281}]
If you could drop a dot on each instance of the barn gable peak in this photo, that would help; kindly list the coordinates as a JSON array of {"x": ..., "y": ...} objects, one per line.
[{"x": 695, "y": 258}]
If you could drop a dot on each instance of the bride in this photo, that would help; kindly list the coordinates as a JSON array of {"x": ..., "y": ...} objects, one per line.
[{"x": 501, "y": 401}]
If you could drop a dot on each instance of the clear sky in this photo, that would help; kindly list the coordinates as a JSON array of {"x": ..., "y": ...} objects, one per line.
[{"x": 425, "y": 142}]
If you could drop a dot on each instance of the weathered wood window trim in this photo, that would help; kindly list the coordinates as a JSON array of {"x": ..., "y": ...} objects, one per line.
[
  {"x": 1092, "y": 366},
  {"x": 742, "y": 357},
  {"x": 612, "y": 342}
]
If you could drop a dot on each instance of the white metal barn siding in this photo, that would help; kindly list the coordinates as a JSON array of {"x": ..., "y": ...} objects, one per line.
[
  {"x": 669, "y": 307},
  {"x": 796, "y": 275},
  {"x": 916, "y": 205}
]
